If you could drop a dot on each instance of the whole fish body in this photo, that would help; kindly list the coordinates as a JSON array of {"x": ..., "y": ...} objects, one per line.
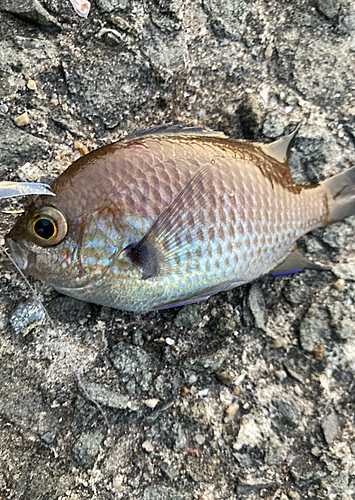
[{"x": 171, "y": 216}]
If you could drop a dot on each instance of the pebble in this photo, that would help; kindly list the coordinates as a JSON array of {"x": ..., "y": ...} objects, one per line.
[
  {"x": 87, "y": 446},
  {"x": 200, "y": 438},
  {"x": 231, "y": 411},
  {"x": 31, "y": 84},
  {"x": 256, "y": 304},
  {"x": 22, "y": 120},
  {"x": 192, "y": 379},
  {"x": 330, "y": 427},
  {"x": 184, "y": 391},
  {"x": 27, "y": 316},
  {"x": 81, "y": 147},
  {"x": 329, "y": 8},
  {"x": 280, "y": 374},
  {"x": 147, "y": 446},
  {"x": 203, "y": 392},
  {"x": 293, "y": 495},
  {"x": 151, "y": 403},
  {"x": 227, "y": 377},
  {"x": 4, "y": 108},
  {"x": 339, "y": 285},
  {"x": 169, "y": 341}
]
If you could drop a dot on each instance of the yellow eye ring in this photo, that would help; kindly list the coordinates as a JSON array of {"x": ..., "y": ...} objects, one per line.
[{"x": 48, "y": 227}]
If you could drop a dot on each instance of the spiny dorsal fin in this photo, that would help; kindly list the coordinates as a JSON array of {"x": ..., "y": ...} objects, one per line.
[
  {"x": 168, "y": 129},
  {"x": 280, "y": 149}
]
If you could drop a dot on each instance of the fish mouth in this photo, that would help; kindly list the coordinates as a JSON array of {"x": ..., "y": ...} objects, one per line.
[{"x": 18, "y": 254}]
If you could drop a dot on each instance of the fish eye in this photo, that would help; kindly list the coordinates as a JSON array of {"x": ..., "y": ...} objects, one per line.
[{"x": 48, "y": 227}]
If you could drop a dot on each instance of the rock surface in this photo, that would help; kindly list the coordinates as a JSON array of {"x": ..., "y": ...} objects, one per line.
[{"x": 247, "y": 395}]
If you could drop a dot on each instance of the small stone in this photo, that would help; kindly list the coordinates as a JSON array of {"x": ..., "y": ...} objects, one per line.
[
  {"x": 81, "y": 147},
  {"x": 280, "y": 374},
  {"x": 314, "y": 329},
  {"x": 329, "y": 8},
  {"x": 200, "y": 439},
  {"x": 188, "y": 318},
  {"x": 27, "y": 316},
  {"x": 151, "y": 403},
  {"x": 293, "y": 495},
  {"x": 170, "y": 471},
  {"x": 273, "y": 126},
  {"x": 319, "y": 352},
  {"x": 231, "y": 411},
  {"x": 227, "y": 377},
  {"x": 203, "y": 392},
  {"x": 54, "y": 102},
  {"x": 184, "y": 391},
  {"x": 22, "y": 120},
  {"x": 111, "y": 5},
  {"x": 345, "y": 329},
  {"x": 4, "y": 108},
  {"x": 192, "y": 379},
  {"x": 339, "y": 285},
  {"x": 87, "y": 446},
  {"x": 330, "y": 427},
  {"x": 169, "y": 341},
  {"x": 147, "y": 446},
  {"x": 256, "y": 304},
  {"x": 31, "y": 84},
  {"x": 102, "y": 395}
]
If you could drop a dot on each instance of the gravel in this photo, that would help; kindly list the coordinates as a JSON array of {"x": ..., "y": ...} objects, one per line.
[{"x": 246, "y": 395}]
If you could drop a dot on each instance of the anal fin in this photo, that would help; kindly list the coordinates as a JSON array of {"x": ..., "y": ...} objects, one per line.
[{"x": 293, "y": 263}]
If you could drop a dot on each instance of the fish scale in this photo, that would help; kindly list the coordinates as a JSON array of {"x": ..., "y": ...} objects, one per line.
[{"x": 173, "y": 215}]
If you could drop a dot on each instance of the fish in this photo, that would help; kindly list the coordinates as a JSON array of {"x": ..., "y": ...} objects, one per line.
[
  {"x": 9, "y": 189},
  {"x": 173, "y": 215}
]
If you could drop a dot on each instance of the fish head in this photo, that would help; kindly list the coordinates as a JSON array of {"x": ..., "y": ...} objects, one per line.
[{"x": 64, "y": 246}]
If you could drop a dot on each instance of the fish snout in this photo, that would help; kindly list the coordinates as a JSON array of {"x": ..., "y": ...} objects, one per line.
[{"x": 18, "y": 254}]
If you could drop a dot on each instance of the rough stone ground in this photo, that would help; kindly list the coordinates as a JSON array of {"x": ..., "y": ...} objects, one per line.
[{"x": 248, "y": 395}]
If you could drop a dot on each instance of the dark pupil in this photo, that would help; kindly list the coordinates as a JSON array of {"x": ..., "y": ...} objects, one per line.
[{"x": 44, "y": 228}]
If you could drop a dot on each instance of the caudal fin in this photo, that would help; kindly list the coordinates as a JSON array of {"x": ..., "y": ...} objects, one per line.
[{"x": 341, "y": 192}]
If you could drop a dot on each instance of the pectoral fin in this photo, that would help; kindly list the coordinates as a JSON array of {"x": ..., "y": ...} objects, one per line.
[{"x": 173, "y": 242}]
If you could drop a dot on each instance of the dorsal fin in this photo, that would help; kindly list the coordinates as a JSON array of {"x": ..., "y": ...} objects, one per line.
[
  {"x": 280, "y": 149},
  {"x": 168, "y": 129}
]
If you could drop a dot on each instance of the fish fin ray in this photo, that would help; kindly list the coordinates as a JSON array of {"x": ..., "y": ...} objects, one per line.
[
  {"x": 293, "y": 263},
  {"x": 280, "y": 149},
  {"x": 169, "y": 129},
  {"x": 169, "y": 243}
]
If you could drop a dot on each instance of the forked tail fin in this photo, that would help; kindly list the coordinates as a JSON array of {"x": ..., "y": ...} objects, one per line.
[{"x": 341, "y": 193}]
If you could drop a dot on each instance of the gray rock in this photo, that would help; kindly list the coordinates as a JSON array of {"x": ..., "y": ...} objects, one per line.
[
  {"x": 273, "y": 126},
  {"x": 25, "y": 408},
  {"x": 163, "y": 493},
  {"x": 112, "y": 5},
  {"x": 306, "y": 472},
  {"x": 188, "y": 317},
  {"x": 132, "y": 361},
  {"x": 165, "y": 51},
  {"x": 210, "y": 362},
  {"x": 31, "y": 10},
  {"x": 339, "y": 485},
  {"x": 329, "y": 8},
  {"x": 337, "y": 235},
  {"x": 27, "y": 316},
  {"x": 330, "y": 427},
  {"x": 253, "y": 485},
  {"x": 228, "y": 18},
  {"x": 287, "y": 413},
  {"x": 104, "y": 396},
  {"x": 273, "y": 455},
  {"x": 345, "y": 271},
  {"x": 128, "y": 88},
  {"x": 18, "y": 147},
  {"x": 22, "y": 58},
  {"x": 171, "y": 472},
  {"x": 206, "y": 470},
  {"x": 345, "y": 329},
  {"x": 87, "y": 446},
  {"x": 256, "y": 304},
  {"x": 68, "y": 310},
  {"x": 314, "y": 329}
]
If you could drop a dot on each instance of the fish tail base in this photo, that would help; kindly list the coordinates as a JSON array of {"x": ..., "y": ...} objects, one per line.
[{"x": 341, "y": 195}]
